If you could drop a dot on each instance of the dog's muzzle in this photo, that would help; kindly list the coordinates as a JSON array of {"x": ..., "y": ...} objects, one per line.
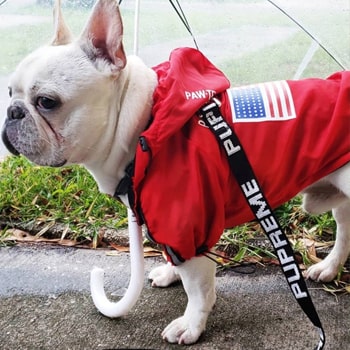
[
  {"x": 7, "y": 142},
  {"x": 14, "y": 113}
]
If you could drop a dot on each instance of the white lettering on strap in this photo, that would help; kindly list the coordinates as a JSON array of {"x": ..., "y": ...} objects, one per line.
[
  {"x": 249, "y": 188},
  {"x": 297, "y": 291},
  {"x": 275, "y": 239},
  {"x": 230, "y": 148},
  {"x": 284, "y": 257},
  {"x": 256, "y": 201},
  {"x": 218, "y": 124},
  {"x": 269, "y": 224}
]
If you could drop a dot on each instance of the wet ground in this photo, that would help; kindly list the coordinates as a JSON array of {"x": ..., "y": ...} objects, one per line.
[{"x": 45, "y": 303}]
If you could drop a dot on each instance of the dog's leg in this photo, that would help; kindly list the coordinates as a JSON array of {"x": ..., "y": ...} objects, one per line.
[
  {"x": 318, "y": 200},
  {"x": 327, "y": 269},
  {"x": 163, "y": 276},
  {"x": 198, "y": 278},
  {"x": 332, "y": 192}
]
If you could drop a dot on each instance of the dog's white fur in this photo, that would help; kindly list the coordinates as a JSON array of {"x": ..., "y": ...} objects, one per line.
[{"x": 105, "y": 103}]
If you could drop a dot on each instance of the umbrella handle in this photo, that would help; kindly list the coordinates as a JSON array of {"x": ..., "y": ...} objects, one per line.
[{"x": 124, "y": 305}]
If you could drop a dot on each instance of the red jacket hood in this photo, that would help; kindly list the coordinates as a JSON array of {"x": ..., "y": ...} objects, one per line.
[{"x": 185, "y": 82}]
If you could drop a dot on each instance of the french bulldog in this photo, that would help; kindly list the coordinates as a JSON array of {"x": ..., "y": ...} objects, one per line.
[{"x": 84, "y": 102}]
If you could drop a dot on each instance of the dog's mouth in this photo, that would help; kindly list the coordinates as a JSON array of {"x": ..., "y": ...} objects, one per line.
[
  {"x": 7, "y": 142},
  {"x": 33, "y": 157}
]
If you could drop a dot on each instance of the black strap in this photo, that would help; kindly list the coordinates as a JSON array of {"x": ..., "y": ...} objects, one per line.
[
  {"x": 252, "y": 192},
  {"x": 125, "y": 186}
]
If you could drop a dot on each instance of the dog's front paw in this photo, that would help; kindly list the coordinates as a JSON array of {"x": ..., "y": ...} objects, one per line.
[
  {"x": 163, "y": 276},
  {"x": 324, "y": 271},
  {"x": 181, "y": 331}
]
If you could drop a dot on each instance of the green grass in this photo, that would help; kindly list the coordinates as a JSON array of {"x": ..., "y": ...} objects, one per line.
[{"x": 32, "y": 196}]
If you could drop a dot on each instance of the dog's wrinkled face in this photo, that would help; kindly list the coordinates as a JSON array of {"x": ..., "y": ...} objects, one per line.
[
  {"x": 62, "y": 106},
  {"x": 51, "y": 92}
]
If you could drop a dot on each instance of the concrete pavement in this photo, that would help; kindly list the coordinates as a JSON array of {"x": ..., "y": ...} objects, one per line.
[{"x": 45, "y": 304}]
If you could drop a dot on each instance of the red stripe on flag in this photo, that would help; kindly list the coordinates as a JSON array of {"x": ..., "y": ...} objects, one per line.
[
  {"x": 278, "y": 98},
  {"x": 287, "y": 99},
  {"x": 269, "y": 100}
]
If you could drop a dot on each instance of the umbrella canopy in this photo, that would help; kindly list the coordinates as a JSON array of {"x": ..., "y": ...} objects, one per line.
[{"x": 253, "y": 40}]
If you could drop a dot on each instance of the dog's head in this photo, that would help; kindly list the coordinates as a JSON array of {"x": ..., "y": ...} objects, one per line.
[{"x": 60, "y": 94}]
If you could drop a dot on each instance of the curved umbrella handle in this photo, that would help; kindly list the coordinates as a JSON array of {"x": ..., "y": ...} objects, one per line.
[{"x": 124, "y": 305}]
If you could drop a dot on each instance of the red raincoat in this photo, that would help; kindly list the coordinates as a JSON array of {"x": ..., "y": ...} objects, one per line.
[{"x": 293, "y": 132}]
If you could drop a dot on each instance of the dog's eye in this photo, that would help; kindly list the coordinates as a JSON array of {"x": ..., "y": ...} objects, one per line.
[
  {"x": 46, "y": 103},
  {"x": 10, "y": 92}
]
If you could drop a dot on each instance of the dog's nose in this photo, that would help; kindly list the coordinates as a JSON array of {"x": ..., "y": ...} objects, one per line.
[{"x": 15, "y": 112}]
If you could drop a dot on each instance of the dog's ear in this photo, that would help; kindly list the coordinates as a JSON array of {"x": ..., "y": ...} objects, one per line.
[
  {"x": 103, "y": 34},
  {"x": 62, "y": 34}
]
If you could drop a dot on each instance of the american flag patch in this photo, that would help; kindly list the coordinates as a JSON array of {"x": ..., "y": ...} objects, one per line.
[{"x": 262, "y": 102}]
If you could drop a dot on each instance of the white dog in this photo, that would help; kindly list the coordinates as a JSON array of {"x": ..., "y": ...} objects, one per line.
[{"x": 82, "y": 101}]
